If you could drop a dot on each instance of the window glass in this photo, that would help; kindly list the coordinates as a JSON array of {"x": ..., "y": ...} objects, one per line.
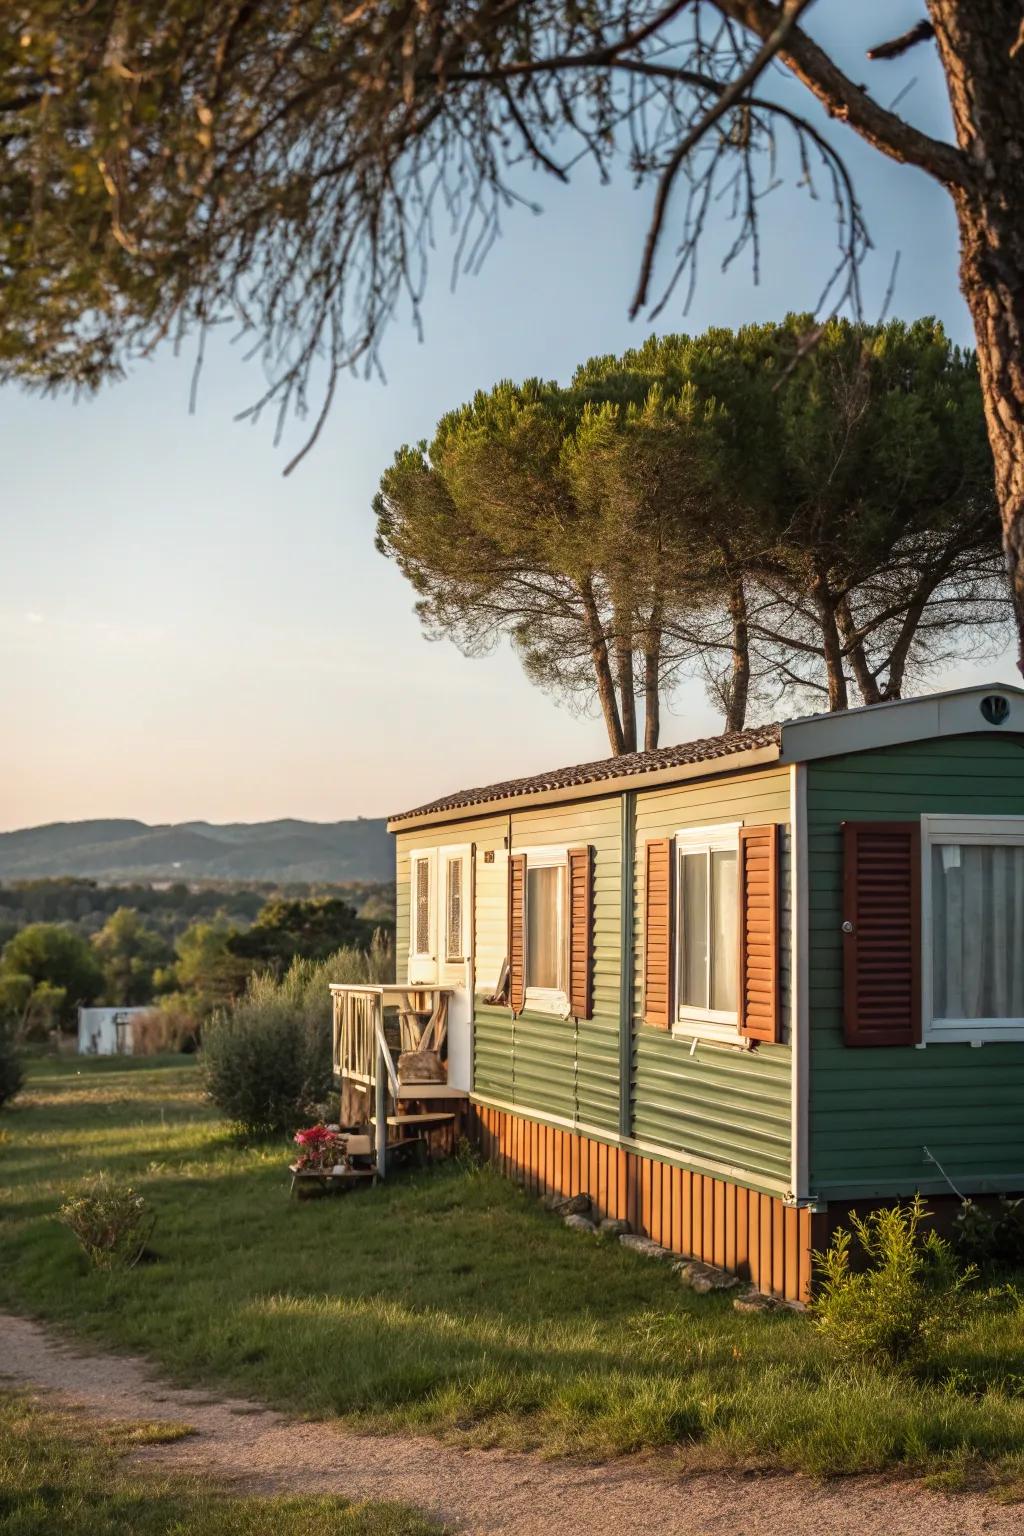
[
  {"x": 693, "y": 981},
  {"x": 725, "y": 908},
  {"x": 545, "y": 927},
  {"x": 453, "y": 906},
  {"x": 977, "y": 931},
  {"x": 708, "y": 928},
  {"x": 422, "y": 903}
]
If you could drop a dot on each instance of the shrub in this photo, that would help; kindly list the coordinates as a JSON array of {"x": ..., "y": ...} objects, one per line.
[
  {"x": 166, "y": 1027},
  {"x": 909, "y": 1294},
  {"x": 11, "y": 1075},
  {"x": 990, "y": 1236},
  {"x": 267, "y": 1059},
  {"x": 112, "y": 1223}
]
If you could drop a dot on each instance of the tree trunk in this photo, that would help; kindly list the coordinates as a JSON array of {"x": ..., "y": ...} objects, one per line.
[
  {"x": 627, "y": 682},
  {"x": 867, "y": 683},
  {"x": 739, "y": 680},
  {"x": 831, "y": 644},
  {"x": 984, "y": 68},
  {"x": 652, "y": 680},
  {"x": 602, "y": 669}
]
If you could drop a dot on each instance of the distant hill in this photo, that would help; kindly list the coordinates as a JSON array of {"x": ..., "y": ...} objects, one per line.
[{"x": 335, "y": 851}]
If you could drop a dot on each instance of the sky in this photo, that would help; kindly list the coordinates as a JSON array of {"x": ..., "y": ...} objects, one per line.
[{"x": 185, "y": 634}]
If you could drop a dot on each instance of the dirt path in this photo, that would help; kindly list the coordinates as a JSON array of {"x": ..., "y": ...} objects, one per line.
[{"x": 478, "y": 1492}]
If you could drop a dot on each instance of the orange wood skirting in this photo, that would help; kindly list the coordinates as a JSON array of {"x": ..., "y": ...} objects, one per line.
[{"x": 756, "y": 1236}]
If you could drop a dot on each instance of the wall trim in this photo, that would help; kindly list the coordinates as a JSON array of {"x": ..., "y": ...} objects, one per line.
[
  {"x": 800, "y": 980},
  {"x": 627, "y": 958}
]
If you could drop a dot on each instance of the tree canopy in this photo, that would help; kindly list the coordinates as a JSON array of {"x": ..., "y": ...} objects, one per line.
[
  {"x": 707, "y": 504},
  {"x": 171, "y": 165}
]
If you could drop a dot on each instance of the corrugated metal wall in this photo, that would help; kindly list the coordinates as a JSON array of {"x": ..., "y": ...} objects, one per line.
[
  {"x": 754, "y": 1235},
  {"x": 873, "y": 1110},
  {"x": 718, "y": 1104}
]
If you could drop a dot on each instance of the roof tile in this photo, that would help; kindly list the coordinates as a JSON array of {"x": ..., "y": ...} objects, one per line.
[{"x": 706, "y": 750}]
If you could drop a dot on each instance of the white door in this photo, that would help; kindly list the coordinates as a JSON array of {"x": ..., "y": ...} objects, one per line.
[{"x": 441, "y": 943}]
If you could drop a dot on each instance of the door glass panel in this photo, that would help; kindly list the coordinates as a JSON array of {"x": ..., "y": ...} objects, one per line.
[
  {"x": 724, "y": 930},
  {"x": 453, "y": 943},
  {"x": 422, "y": 897},
  {"x": 545, "y": 928},
  {"x": 693, "y": 981}
]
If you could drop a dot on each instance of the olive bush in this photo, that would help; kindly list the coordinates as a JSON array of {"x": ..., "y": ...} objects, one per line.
[{"x": 267, "y": 1059}]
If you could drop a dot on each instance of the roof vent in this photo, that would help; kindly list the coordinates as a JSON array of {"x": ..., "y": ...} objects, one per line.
[{"x": 995, "y": 708}]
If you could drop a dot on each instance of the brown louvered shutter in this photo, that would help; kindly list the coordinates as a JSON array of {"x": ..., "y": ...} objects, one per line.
[
  {"x": 881, "y": 932},
  {"x": 760, "y": 1017},
  {"x": 517, "y": 931},
  {"x": 581, "y": 919},
  {"x": 658, "y": 884}
]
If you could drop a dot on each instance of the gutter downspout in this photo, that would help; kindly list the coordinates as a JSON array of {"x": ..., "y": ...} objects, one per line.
[{"x": 627, "y": 875}]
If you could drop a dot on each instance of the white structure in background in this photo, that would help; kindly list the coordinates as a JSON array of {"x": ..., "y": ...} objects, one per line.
[{"x": 106, "y": 1031}]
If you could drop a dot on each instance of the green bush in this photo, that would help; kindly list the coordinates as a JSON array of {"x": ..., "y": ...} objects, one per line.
[
  {"x": 908, "y": 1295},
  {"x": 267, "y": 1059},
  {"x": 11, "y": 1075},
  {"x": 990, "y": 1236},
  {"x": 112, "y": 1223}
]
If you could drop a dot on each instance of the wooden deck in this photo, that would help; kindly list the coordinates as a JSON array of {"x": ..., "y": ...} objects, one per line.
[{"x": 373, "y": 1027}]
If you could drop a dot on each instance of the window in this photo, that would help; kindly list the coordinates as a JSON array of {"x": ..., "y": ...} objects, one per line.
[
  {"x": 454, "y": 946},
  {"x": 547, "y": 935},
  {"x": 707, "y": 926},
  {"x": 973, "y": 927}
]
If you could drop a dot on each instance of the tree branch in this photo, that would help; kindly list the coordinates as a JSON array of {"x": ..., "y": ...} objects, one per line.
[
  {"x": 728, "y": 98},
  {"x": 851, "y": 103},
  {"x": 902, "y": 44}
]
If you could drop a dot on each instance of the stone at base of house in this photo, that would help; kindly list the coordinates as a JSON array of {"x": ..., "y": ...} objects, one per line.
[
  {"x": 612, "y": 1227},
  {"x": 702, "y": 1278},
  {"x": 644, "y": 1245},
  {"x": 574, "y": 1205},
  {"x": 579, "y": 1223},
  {"x": 752, "y": 1300}
]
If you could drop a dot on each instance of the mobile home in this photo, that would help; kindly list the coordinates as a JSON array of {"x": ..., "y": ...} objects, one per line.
[{"x": 731, "y": 987}]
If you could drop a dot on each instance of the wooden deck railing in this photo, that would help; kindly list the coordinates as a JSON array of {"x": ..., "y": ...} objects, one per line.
[{"x": 361, "y": 1051}]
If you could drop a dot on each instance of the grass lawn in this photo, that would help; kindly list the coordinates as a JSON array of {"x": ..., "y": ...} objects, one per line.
[
  {"x": 448, "y": 1301},
  {"x": 61, "y": 1473}
]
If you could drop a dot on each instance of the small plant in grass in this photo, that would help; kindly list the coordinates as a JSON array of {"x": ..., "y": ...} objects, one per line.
[
  {"x": 11, "y": 1076},
  {"x": 908, "y": 1294},
  {"x": 112, "y": 1222}
]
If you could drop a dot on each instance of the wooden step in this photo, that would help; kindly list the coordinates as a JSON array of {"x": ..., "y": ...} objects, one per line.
[
  {"x": 433, "y": 1119},
  {"x": 430, "y": 1091}
]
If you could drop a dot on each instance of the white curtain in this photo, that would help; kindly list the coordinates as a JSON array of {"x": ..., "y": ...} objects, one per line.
[
  {"x": 977, "y": 931},
  {"x": 545, "y": 927}
]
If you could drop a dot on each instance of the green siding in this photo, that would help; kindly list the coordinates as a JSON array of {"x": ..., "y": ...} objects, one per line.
[
  {"x": 560, "y": 1066},
  {"x": 873, "y": 1111},
  {"x": 718, "y": 1104}
]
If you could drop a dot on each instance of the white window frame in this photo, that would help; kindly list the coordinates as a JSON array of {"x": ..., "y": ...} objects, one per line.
[
  {"x": 991, "y": 831},
  {"x": 700, "y": 1023},
  {"x": 553, "y": 1000}
]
